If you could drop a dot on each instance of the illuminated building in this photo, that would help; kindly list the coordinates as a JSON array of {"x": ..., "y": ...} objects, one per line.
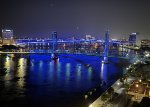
[
  {"x": 7, "y": 37},
  {"x": 132, "y": 39},
  {"x": 7, "y": 34},
  {"x": 89, "y": 37},
  {"x": 138, "y": 90},
  {"x": 145, "y": 43}
]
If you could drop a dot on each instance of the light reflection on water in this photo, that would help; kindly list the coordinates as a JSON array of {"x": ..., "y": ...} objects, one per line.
[
  {"x": 40, "y": 78},
  {"x": 78, "y": 72},
  {"x": 21, "y": 72},
  {"x": 9, "y": 65},
  {"x": 104, "y": 72}
]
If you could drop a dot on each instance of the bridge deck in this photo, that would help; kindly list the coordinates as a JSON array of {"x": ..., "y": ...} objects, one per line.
[{"x": 90, "y": 54}]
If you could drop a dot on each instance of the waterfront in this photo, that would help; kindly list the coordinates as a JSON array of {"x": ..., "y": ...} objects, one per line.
[{"x": 35, "y": 80}]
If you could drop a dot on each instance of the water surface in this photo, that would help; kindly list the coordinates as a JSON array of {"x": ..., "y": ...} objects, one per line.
[{"x": 36, "y": 80}]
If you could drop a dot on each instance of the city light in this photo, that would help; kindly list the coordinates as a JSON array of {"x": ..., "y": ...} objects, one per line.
[
  {"x": 118, "y": 83},
  {"x": 75, "y": 53},
  {"x": 90, "y": 105},
  {"x": 147, "y": 55},
  {"x": 134, "y": 33},
  {"x": 7, "y": 30},
  {"x": 137, "y": 85},
  {"x": 85, "y": 96}
]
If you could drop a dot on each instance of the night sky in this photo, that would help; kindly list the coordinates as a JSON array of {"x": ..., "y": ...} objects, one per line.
[{"x": 37, "y": 18}]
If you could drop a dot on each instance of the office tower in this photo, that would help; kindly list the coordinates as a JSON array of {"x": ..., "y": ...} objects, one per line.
[{"x": 132, "y": 39}]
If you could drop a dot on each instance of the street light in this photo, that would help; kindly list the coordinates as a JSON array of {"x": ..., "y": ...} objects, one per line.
[{"x": 85, "y": 96}]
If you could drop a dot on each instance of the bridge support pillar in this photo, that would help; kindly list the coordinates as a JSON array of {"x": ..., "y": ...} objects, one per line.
[
  {"x": 106, "y": 48},
  {"x": 54, "y": 45},
  {"x": 104, "y": 67}
]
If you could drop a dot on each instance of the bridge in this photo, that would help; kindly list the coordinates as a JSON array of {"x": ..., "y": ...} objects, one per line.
[
  {"x": 49, "y": 42},
  {"x": 71, "y": 46},
  {"x": 71, "y": 50},
  {"x": 90, "y": 54}
]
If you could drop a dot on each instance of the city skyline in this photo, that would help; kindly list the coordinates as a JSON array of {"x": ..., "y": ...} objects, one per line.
[
  {"x": 76, "y": 18},
  {"x": 74, "y": 53}
]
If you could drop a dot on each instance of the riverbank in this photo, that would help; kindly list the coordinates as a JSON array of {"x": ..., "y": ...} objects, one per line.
[{"x": 127, "y": 91}]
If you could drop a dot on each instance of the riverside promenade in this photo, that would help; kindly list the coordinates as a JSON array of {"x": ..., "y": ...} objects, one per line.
[
  {"x": 120, "y": 91},
  {"x": 119, "y": 99},
  {"x": 99, "y": 102}
]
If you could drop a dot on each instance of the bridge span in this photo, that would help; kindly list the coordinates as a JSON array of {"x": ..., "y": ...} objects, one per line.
[{"x": 90, "y": 54}]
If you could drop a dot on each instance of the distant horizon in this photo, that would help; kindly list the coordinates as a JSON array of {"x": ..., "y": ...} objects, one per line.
[{"x": 63, "y": 36}]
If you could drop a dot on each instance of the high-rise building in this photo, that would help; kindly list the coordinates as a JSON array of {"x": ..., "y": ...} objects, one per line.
[
  {"x": 132, "y": 39},
  {"x": 7, "y": 37},
  {"x": 54, "y": 35},
  {"x": 7, "y": 34}
]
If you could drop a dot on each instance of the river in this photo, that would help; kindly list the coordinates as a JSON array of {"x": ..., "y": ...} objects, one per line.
[{"x": 37, "y": 81}]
